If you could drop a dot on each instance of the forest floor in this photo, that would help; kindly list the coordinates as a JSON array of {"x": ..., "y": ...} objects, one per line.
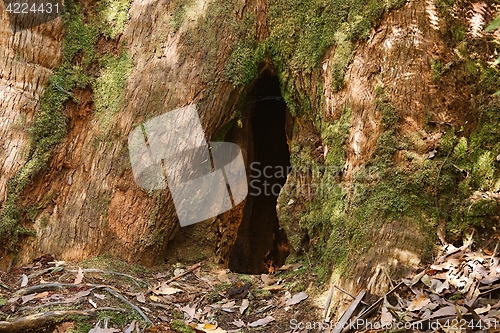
[{"x": 458, "y": 292}]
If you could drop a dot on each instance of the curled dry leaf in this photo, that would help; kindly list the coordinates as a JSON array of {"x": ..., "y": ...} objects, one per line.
[
  {"x": 222, "y": 276},
  {"x": 297, "y": 298},
  {"x": 244, "y": 305},
  {"x": 93, "y": 303},
  {"x": 267, "y": 279},
  {"x": 99, "y": 296},
  {"x": 130, "y": 328},
  {"x": 261, "y": 322},
  {"x": 79, "y": 276},
  {"x": 166, "y": 290},
  {"x": 189, "y": 311},
  {"x": 141, "y": 298},
  {"x": 24, "y": 282},
  {"x": 239, "y": 323},
  {"x": 418, "y": 303}
]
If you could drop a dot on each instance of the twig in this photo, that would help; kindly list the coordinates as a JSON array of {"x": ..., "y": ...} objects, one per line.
[
  {"x": 494, "y": 252},
  {"x": 41, "y": 272},
  {"x": 351, "y": 295},
  {"x": 132, "y": 305},
  {"x": 372, "y": 307},
  {"x": 187, "y": 271},
  {"x": 328, "y": 301},
  {"x": 388, "y": 277},
  {"x": 44, "y": 287},
  {"x": 486, "y": 292},
  {"x": 348, "y": 313},
  {"x": 96, "y": 270}
]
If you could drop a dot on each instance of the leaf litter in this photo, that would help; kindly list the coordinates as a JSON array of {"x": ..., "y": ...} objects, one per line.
[{"x": 215, "y": 301}]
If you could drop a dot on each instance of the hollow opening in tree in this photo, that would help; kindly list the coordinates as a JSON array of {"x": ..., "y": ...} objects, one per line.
[{"x": 261, "y": 243}]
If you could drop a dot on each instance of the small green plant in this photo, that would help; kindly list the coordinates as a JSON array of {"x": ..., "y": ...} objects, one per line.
[{"x": 178, "y": 325}]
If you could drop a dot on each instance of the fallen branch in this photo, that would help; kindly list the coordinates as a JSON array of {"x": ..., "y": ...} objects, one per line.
[
  {"x": 132, "y": 305},
  {"x": 187, "y": 271},
  {"x": 372, "y": 307},
  {"x": 349, "y": 294},
  {"x": 96, "y": 270},
  {"x": 38, "y": 321},
  {"x": 41, "y": 272},
  {"x": 45, "y": 287},
  {"x": 348, "y": 313}
]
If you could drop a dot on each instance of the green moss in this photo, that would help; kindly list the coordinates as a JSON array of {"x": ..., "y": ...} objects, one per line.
[
  {"x": 341, "y": 60},
  {"x": 178, "y": 325},
  {"x": 334, "y": 135},
  {"x": 260, "y": 294},
  {"x": 459, "y": 32},
  {"x": 178, "y": 13},
  {"x": 82, "y": 324},
  {"x": 109, "y": 86},
  {"x": 243, "y": 64},
  {"x": 113, "y": 16},
  {"x": 120, "y": 319}
]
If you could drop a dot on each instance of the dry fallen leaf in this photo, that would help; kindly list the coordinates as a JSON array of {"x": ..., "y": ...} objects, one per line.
[
  {"x": 239, "y": 323},
  {"x": 190, "y": 311},
  {"x": 99, "y": 296},
  {"x": 274, "y": 287},
  {"x": 418, "y": 303},
  {"x": 386, "y": 317},
  {"x": 261, "y": 322},
  {"x": 141, "y": 298},
  {"x": 222, "y": 276},
  {"x": 297, "y": 298},
  {"x": 166, "y": 290},
  {"x": 130, "y": 328},
  {"x": 79, "y": 276},
  {"x": 28, "y": 298},
  {"x": 24, "y": 282},
  {"x": 267, "y": 279},
  {"x": 211, "y": 328},
  {"x": 93, "y": 303},
  {"x": 244, "y": 305}
]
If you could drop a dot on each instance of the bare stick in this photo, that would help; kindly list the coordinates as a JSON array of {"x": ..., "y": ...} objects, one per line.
[
  {"x": 328, "y": 301},
  {"x": 132, "y": 305},
  {"x": 41, "y": 272},
  {"x": 372, "y": 307},
  {"x": 44, "y": 287},
  {"x": 351, "y": 295},
  {"x": 189, "y": 270},
  {"x": 495, "y": 251},
  {"x": 348, "y": 313}
]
